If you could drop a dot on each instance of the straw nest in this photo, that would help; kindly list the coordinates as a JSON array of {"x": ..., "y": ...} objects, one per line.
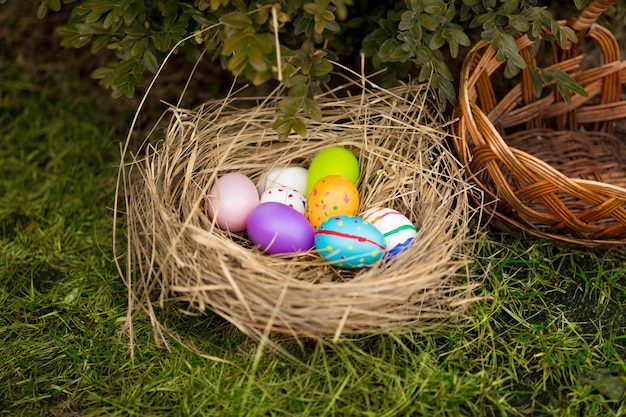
[{"x": 176, "y": 254}]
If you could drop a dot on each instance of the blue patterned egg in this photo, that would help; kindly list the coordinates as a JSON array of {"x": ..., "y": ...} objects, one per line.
[{"x": 349, "y": 241}]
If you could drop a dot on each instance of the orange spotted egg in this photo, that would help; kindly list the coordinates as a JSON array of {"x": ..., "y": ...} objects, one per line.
[{"x": 331, "y": 195}]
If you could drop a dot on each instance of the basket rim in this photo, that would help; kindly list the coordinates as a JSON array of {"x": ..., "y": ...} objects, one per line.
[{"x": 479, "y": 125}]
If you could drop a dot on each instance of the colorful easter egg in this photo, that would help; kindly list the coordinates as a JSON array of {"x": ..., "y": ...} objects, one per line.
[
  {"x": 397, "y": 229},
  {"x": 330, "y": 196},
  {"x": 276, "y": 228},
  {"x": 230, "y": 201},
  {"x": 349, "y": 241},
  {"x": 286, "y": 176},
  {"x": 285, "y": 195},
  {"x": 334, "y": 160}
]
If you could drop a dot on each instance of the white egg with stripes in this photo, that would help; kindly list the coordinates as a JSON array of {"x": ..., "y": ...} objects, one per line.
[{"x": 397, "y": 229}]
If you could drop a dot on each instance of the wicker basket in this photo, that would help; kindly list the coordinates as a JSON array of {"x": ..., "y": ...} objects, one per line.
[{"x": 549, "y": 168}]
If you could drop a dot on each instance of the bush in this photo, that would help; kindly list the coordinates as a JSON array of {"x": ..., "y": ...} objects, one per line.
[{"x": 295, "y": 41}]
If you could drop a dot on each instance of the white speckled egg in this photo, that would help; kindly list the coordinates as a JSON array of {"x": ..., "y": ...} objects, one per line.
[
  {"x": 395, "y": 227},
  {"x": 349, "y": 241},
  {"x": 285, "y": 195},
  {"x": 287, "y": 176}
]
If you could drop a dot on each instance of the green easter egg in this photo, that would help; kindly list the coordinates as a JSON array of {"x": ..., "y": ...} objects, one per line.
[{"x": 334, "y": 160}]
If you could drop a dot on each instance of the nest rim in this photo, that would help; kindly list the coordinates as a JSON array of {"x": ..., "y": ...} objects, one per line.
[{"x": 395, "y": 284}]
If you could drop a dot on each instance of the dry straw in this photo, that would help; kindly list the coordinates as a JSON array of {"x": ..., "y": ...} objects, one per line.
[{"x": 178, "y": 256}]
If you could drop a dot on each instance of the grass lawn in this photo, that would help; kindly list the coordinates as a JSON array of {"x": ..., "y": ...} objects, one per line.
[{"x": 550, "y": 339}]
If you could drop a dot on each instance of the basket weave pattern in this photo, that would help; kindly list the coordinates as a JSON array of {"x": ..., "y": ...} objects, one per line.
[{"x": 550, "y": 168}]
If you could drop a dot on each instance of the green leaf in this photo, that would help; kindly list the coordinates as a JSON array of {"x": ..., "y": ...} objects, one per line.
[
  {"x": 450, "y": 12},
  {"x": 312, "y": 109},
  {"x": 578, "y": 89},
  {"x": 425, "y": 73},
  {"x": 95, "y": 6},
  {"x": 110, "y": 21},
  {"x": 260, "y": 77},
  {"x": 427, "y": 21},
  {"x": 422, "y": 54},
  {"x": 203, "y": 4},
  {"x": 322, "y": 68},
  {"x": 298, "y": 126},
  {"x": 534, "y": 49},
  {"x": 433, "y": 6},
  {"x": 519, "y": 23},
  {"x": 510, "y": 69},
  {"x": 517, "y": 61},
  {"x": 446, "y": 92},
  {"x": 565, "y": 93},
  {"x": 237, "y": 63},
  {"x": 386, "y": 49},
  {"x": 139, "y": 47},
  {"x": 456, "y": 33},
  {"x": 150, "y": 61},
  {"x": 509, "y": 7},
  {"x": 488, "y": 35},
  {"x": 569, "y": 34},
  {"x": 42, "y": 10},
  {"x": 237, "y": 20},
  {"x": 255, "y": 55},
  {"x": 290, "y": 105},
  {"x": 263, "y": 42},
  {"x": 298, "y": 90},
  {"x": 454, "y": 48},
  {"x": 299, "y": 79},
  {"x": 442, "y": 69},
  {"x": 259, "y": 66},
  {"x": 102, "y": 72},
  {"x": 408, "y": 20},
  {"x": 73, "y": 37},
  {"x": 535, "y": 30},
  {"x": 282, "y": 126},
  {"x": 310, "y": 8},
  {"x": 400, "y": 54},
  {"x": 566, "y": 85},
  {"x": 436, "y": 41},
  {"x": 331, "y": 26},
  {"x": 99, "y": 42},
  {"x": 536, "y": 82},
  {"x": 235, "y": 42},
  {"x": 318, "y": 26},
  {"x": 136, "y": 30},
  {"x": 54, "y": 5}
]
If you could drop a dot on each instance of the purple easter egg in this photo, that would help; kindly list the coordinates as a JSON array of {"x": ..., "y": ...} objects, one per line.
[{"x": 277, "y": 228}]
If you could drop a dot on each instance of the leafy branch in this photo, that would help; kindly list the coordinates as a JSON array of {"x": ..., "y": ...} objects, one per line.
[{"x": 295, "y": 41}]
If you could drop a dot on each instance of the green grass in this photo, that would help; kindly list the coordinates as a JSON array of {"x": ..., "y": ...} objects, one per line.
[{"x": 553, "y": 318}]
